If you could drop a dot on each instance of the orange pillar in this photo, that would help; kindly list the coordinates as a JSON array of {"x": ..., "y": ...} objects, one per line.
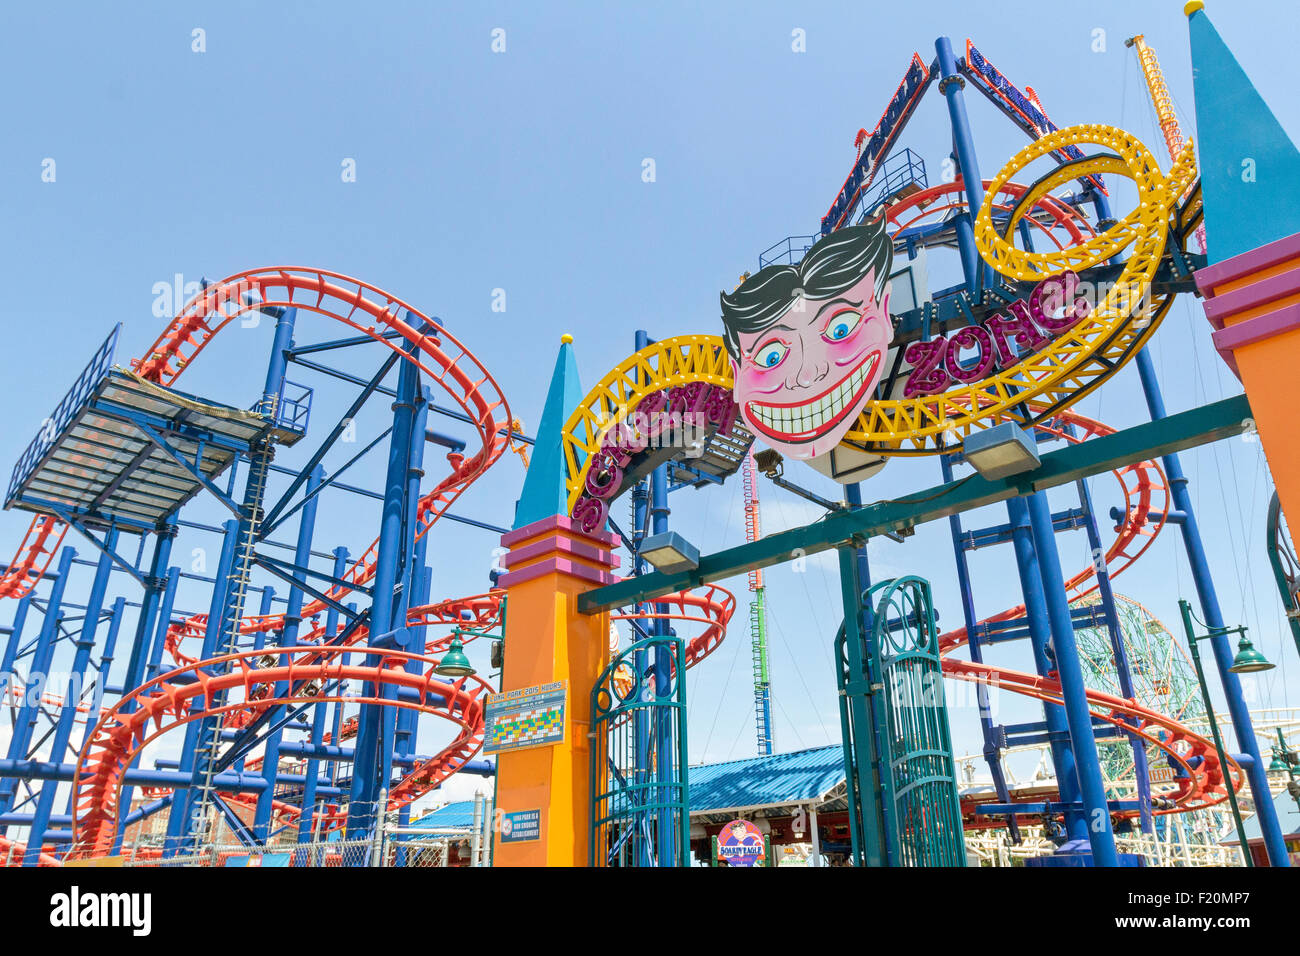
[
  {"x": 1253, "y": 301},
  {"x": 550, "y": 563}
]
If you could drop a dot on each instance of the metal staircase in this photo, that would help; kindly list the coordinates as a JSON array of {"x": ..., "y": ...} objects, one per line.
[{"x": 208, "y": 749}]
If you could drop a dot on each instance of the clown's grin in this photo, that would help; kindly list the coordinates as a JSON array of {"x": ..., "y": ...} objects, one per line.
[{"x": 806, "y": 421}]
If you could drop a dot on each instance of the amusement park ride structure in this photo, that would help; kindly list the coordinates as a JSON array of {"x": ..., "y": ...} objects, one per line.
[{"x": 340, "y": 680}]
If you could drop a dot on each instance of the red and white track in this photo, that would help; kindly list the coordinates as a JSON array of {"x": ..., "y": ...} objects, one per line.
[
  {"x": 442, "y": 359},
  {"x": 165, "y": 702},
  {"x": 1146, "y": 500}
]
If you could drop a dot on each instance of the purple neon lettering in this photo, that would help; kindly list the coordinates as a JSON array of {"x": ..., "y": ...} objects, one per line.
[
  {"x": 973, "y": 336},
  {"x": 928, "y": 375},
  {"x": 590, "y": 513},
  {"x": 1020, "y": 327},
  {"x": 1058, "y": 293},
  {"x": 603, "y": 477}
]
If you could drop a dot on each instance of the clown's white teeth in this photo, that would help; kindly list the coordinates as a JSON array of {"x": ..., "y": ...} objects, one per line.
[{"x": 815, "y": 414}]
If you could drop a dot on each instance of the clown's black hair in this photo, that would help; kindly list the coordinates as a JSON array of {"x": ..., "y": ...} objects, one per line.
[{"x": 833, "y": 264}]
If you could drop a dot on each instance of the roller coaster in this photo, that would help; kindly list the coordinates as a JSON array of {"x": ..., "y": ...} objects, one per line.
[
  {"x": 363, "y": 657},
  {"x": 238, "y": 688}
]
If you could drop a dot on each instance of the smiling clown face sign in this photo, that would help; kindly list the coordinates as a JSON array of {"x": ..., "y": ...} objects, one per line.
[{"x": 808, "y": 342}]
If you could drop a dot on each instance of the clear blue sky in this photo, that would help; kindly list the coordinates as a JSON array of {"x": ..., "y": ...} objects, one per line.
[{"x": 521, "y": 171}]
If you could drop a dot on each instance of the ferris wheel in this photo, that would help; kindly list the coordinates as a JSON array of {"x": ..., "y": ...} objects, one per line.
[{"x": 1163, "y": 676}]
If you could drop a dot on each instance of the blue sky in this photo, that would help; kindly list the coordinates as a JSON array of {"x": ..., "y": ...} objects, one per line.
[{"x": 522, "y": 171}]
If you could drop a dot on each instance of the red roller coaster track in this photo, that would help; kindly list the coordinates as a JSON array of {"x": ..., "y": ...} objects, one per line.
[
  {"x": 117, "y": 735},
  {"x": 1146, "y": 498},
  {"x": 165, "y": 703},
  {"x": 162, "y": 705}
]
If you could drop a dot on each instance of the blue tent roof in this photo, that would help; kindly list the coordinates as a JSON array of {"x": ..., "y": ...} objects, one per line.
[
  {"x": 803, "y": 776},
  {"x": 458, "y": 814}
]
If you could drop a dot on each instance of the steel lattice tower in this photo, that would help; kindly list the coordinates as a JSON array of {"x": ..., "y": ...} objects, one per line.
[{"x": 757, "y": 615}]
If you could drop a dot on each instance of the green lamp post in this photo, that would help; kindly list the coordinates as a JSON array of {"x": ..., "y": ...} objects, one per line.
[
  {"x": 1285, "y": 760},
  {"x": 454, "y": 663},
  {"x": 1248, "y": 660}
]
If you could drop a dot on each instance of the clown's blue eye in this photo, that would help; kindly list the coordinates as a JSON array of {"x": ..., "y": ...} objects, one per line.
[
  {"x": 841, "y": 326},
  {"x": 770, "y": 355}
]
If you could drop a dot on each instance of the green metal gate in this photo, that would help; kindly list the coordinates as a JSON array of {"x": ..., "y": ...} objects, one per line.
[
  {"x": 904, "y": 808},
  {"x": 920, "y": 778},
  {"x": 639, "y": 812}
]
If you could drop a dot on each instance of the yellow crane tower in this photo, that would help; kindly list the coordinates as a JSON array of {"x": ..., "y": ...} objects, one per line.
[{"x": 1164, "y": 104}]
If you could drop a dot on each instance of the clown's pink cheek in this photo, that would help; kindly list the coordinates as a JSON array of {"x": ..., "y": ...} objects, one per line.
[
  {"x": 849, "y": 349},
  {"x": 868, "y": 335},
  {"x": 764, "y": 381}
]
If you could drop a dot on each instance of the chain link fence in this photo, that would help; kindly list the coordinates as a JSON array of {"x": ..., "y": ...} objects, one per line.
[
  {"x": 338, "y": 853},
  {"x": 393, "y": 850},
  {"x": 218, "y": 843},
  {"x": 391, "y": 846},
  {"x": 993, "y": 848}
]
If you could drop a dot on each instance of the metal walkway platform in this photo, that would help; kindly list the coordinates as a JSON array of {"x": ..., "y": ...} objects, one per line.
[
  {"x": 721, "y": 458},
  {"x": 119, "y": 450}
]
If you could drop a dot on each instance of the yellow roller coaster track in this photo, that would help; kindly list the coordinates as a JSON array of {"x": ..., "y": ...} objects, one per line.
[
  {"x": 1081, "y": 359},
  {"x": 1034, "y": 389},
  {"x": 667, "y": 363}
]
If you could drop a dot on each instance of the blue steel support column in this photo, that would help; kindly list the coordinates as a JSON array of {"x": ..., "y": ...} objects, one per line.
[
  {"x": 139, "y": 660},
  {"x": 1073, "y": 691},
  {"x": 306, "y": 820},
  {"x": 413, "y": 577},
  {"x": 641, "y": 729},
  {"x": 178, "y": 819},
  {"x": 950, "y": 85},
  {"x": 278, "y": 363},
  {"x": 288, "y": 638},
  {"x": 110, "y": 641},
  {"x": 85, "y": 643},
  {"x": 312, "y": 771},
  {"x": 975, "y": 643},
  {"x": 15, "y": 637},
  {"x": 155, "y": 584},
  {"x": 1040, "y": 637},
  {"x": 642, "y": 500},
  {"x": 418, "y": 580},
  {"x": 331, "y": 629},
  {"x": 151, "y": 671},
  {"x": 259, "y": 642},
  {"x": 42, "y": 653},
  {"x": 234, "y": 585},
  {"x": 1213, "y": 615},
  {"x": 164, "y": 624},
  {"x": 307, "y": 815},
  {"x": 7, "y": 666},
  {"x": 372, "y": 764},
  {"x": 1141, "y": 772},
  {"x": 104, "y": 672},
  {"x": 665, "y": 749}
]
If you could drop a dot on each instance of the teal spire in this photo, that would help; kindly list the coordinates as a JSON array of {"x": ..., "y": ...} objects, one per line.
[
  {"x": 544, "y": 493},
  {"x": 1250, "y": 168}
]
